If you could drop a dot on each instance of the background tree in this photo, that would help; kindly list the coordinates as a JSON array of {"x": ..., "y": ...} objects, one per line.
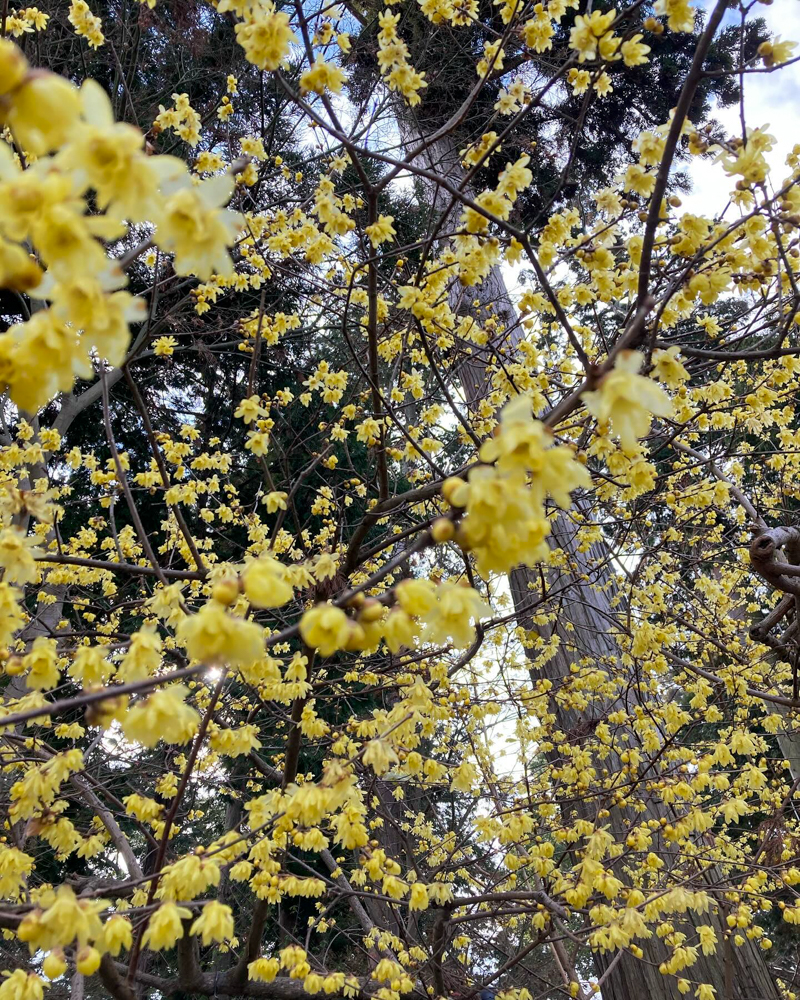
[{"x": 261, "y": 652}]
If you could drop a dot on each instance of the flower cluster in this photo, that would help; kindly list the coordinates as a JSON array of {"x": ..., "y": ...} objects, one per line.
[{"x": 79, "y": 151}]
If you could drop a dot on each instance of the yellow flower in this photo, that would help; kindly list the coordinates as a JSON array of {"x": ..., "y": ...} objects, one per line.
[
  {"x": 13, "y": 66},
  {"x": 163, "y": 347},
  {"x": 294, "y": 959},
  {"x": 163, "y": 715},
  {"x": 526, "y": 445},
  {"x": 588, "y": 29},
  {"x": 369, "y": 431},
  {"x": 37, "y": 359},
  {"x": 235, "y": 742},
  {"x": 117, "y": 934},
  {"x": 464, "y": 777},
  {"x": 399, "y": 630},
  {"x": 325, "y": 628},
  {"x": 265, "y": 35},
  {"x": 381, "y": 231},
  {"x": 579, "y": 80},
  {"x": 258, "y": 442},
  {"x": 87, "y": 304},
  {"x": 638, "y": 180},
  {"x": 416, "y": 597},
  {"x": 321, "y": 76},
  {"x": 214, "y": 635},
  {"x": 90, "y": 666},
  {"x": 602, "y": 85},
  {"x": 419, "y": 897},
  {"x": 749, "y": 160},
  {"x": 41, "y": 662},
  {"x": 16, "y": 556},
  {"x": 18, "y": 270},
  {"x": 628, "y": 401},
  {"x": 87, "y": 961},
  {"x": 708, "y": 939},
  {"x": 387, "y": 969},
  {"x": 249, "y": 409},
  {"x": 538, "y": 32},
  {"x": 453, "y": 614},
  {"x": 55, "y": 964},
  {"x": 43, "y": 112},
  {"x": 680, "y": 18},
  {"x": 668, "y": 369},
  {"x": 21, "y": 985},
  {"x": 194, "y": 226},
  {"x": 775, "y": 52},
  {"x": 379, "y": 755},
  {"x": 68, "y": 920},
  {"x": 266, "y": 584},
  {"x": 165, "y": 926},
  {"x": 275, "y": 500},
  {"x": 143, "y": 657},
  {"x": 189, "y": 877},
  {"x": 394, "y": 887},
  {"x": 15, "y": 865},
  {"x": 215, "y": 923},
  {"x": 86, "y": 23},
  {"x": 263, "y": 970},
  {"x": 505, "y": 523},
  {"x": 634, "y": 53}
]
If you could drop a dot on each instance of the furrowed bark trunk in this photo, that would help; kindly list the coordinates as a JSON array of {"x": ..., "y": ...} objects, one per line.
[
  {"x": 587, "y": 625},
  {"x": 586, "y": 628}
]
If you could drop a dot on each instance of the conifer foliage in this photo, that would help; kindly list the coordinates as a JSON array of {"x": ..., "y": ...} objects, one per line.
[{"x": 369, "y": 629}]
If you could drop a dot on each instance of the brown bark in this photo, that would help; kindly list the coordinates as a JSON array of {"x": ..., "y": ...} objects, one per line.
[{"x": 587, "y": 625}]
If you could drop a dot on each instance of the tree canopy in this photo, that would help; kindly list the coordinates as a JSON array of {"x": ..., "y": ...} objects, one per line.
[{"x": 400, "y": 542}]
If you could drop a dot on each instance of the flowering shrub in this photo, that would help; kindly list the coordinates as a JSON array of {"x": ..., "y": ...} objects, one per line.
[{"x": 304, "y": 515}]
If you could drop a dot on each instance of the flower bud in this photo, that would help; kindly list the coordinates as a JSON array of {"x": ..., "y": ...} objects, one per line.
[
  {"x": 55, "y": 964},
  {"x": 226, "y": 591},
  {"x": 87, "y": 961},
  {"x": 442, "y": 529},
  {"x": 13, "y": 66},
  {"x": 371, "y": 611},
  {"x": 14, "y": 666},
  {"x": 454, "y": 491}
]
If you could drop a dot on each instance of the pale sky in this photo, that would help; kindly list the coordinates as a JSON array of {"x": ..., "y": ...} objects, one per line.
[{"x": 770, "y": 99}]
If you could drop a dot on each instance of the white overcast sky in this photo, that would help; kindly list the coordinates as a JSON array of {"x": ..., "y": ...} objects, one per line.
[{"x": 770, "y": 99}]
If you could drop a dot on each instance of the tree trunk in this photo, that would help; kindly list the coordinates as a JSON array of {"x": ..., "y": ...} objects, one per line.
[
  {"x": 586, "y": 628},
  {"x": 586, "y": 625}
]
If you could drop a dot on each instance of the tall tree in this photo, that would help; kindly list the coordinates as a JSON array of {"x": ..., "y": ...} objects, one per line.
[{"x": 261, "y": 651}]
